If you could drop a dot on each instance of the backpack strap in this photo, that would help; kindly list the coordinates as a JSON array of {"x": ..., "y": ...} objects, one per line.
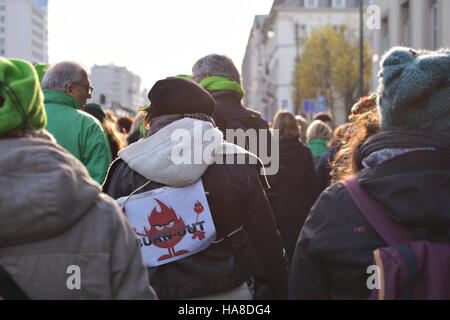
[
  {"x": 392, "y": 232},
  {"x": 9, "y": 290}
]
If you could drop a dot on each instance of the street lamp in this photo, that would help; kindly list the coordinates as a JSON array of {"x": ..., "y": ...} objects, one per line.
[{"x": 297, "y": 58}]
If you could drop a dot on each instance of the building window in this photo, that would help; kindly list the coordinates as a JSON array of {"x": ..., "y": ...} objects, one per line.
[
  {"x": 39, "y": 25},
  {"x": 311, "y": 3},
  {"x": 434, "y": 24},
  {"x": 338, "y": 3},
  {"x": 37, "y": 55},
  {"x": 37, "y": 34},
  {"x": 406, "y": 23},
  {"x": 302, "y": 33}
]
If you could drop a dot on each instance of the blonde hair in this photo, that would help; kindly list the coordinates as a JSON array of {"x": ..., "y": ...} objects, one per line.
[
  {"x": 318, "y": 130},
  {"x": 286, "y": 123}
]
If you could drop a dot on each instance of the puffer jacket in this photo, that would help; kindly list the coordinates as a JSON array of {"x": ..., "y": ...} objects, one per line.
[
  {"x": 54, "y": 216},
  {"x": 236, "y": 199},
  {"x": 78, "y": 132},
  {"x": 336, "y": 243}
]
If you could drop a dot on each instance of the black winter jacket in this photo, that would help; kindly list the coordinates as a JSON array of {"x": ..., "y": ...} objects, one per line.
[
  {"x": 236, "y": 198},
  {"x": 336, "y": 243},
  {"x": 231, "y": 114},
  {"x": 295, "y": 190}
]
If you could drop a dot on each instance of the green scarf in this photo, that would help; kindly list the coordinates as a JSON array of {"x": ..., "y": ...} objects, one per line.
[
  {"x": 22, "y": 101},
  {"x": 221, "y": 83}
]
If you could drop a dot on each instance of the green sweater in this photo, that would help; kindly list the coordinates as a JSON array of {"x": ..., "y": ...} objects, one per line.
[
  {"x": 318, "y": 147},
  {"x": 78, "y": 132}
]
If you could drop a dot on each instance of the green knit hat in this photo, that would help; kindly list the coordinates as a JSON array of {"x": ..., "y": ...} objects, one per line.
[
  {"x": 414, "y": 91},
  {"x": 21, "y": 98}
]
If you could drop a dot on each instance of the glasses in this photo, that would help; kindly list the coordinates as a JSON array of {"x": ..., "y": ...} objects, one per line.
[{"x": 88, "y": 88}]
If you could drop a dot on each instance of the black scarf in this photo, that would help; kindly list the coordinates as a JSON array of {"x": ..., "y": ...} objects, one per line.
[{"x": 405, "y": 140}]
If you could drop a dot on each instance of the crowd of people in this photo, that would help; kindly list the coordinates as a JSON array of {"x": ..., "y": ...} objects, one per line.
[{"x": 296, "y": 234}]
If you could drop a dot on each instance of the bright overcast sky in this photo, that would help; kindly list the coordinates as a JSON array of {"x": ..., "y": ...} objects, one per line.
[{"x": 152, "y": 38}]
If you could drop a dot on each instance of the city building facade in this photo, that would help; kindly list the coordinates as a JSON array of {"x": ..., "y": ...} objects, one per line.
[
  {"x": 420, "y": 24},
  {"x": 24, "y": 30},
  {"x": 276, "y": 41},
  {"x": 117, "y": 88}
]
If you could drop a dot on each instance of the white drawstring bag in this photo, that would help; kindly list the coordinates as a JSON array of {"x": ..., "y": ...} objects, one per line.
[{"x": 170, "y": 223}]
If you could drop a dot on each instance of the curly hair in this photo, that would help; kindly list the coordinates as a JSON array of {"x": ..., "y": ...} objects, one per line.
[{"x": 348, "y": 160}]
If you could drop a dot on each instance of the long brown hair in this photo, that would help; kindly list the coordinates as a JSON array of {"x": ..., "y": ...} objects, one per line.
[
  {"x": 348, "y": 160},
  {"x": 286, "y": 123}
]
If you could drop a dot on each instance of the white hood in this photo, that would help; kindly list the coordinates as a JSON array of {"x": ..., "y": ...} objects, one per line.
[{"x": 158, "y": 157}]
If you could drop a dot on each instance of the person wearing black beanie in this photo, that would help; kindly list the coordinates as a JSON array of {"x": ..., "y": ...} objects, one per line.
[
  {"x": 179, "y": 96},
  {"x": 248, "y": 245}
]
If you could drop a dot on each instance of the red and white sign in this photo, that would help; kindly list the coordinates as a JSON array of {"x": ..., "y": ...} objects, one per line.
[{"x": 170, "y": 223}]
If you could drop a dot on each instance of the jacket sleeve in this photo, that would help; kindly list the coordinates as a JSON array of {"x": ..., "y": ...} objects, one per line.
[
  {"x": 311, "y": 191},
  {"x": 322, "y": 171},
  {"x": 308, "y": 275},
  {"x": 306, "y": 194},
  {"x": 96, "y": 153},
  {"x": 261, "y": 227},
  {"x": 129, "y": 277},
  {"x": 121, "y": 180}
]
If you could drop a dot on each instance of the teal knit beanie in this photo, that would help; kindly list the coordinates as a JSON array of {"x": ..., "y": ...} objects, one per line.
[{"x": 414, "y": 90}]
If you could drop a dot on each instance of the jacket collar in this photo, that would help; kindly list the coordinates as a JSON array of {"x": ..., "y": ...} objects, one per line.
[{"x": 60, "y": 98}]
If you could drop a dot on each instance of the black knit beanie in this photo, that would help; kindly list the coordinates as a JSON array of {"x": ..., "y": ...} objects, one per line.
[{"x": 179, "y": 96}]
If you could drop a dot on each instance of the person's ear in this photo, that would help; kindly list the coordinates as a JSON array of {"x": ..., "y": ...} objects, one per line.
[
  {"x": 69, "y": 89},
  {"x": 204, "y": 76}
]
